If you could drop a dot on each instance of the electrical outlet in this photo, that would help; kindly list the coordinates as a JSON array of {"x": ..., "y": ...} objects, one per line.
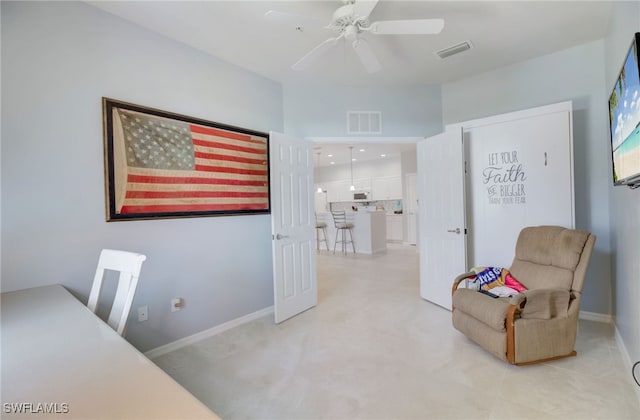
[
  {"x": 176, "y": 304},
  {"x": 143, "y": 313}
]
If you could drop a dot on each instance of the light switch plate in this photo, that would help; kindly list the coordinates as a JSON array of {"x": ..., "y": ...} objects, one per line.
[{"x": 143, "y": 313}]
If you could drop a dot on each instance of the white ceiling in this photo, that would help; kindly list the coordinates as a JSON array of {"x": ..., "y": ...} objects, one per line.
[
  {"x": 340, "y": 154},
  {"x": 502, "y": 33}
]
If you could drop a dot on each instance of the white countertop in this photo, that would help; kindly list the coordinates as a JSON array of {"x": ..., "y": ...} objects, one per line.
[{"x": 56, "y": 351}]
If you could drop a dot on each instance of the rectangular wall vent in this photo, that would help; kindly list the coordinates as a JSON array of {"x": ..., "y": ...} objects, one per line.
[
  {"x": 364, "y": 122},
  {"x": 454, "y": 49}
]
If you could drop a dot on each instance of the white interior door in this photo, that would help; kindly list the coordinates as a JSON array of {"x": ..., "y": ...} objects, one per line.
[
  {"x": 411, "y": 208},
  {"x": 519, "y": 174},
  {"x": 293, "y": 226},
  {"x": 441, "y": 221}
]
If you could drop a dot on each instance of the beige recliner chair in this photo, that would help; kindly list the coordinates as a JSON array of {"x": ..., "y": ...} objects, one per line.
[{"x": 540, "y": 324}]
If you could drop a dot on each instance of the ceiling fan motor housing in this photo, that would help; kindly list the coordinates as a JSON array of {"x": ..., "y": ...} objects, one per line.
[{"x": 345, "y": 21}]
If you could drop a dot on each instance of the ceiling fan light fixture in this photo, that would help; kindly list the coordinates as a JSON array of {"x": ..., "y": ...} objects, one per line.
[{"x": 454, "y": 49}]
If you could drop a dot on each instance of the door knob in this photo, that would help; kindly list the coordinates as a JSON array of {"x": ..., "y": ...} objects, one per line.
[
  {"x": 278, "y": 236},
  {"x": 456, "y": 231}
]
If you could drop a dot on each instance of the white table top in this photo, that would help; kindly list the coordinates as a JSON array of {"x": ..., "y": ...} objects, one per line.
[{"x": 55, "y": 350}]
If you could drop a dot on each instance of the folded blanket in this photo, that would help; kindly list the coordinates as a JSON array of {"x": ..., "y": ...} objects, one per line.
[{"x": 489, "y": 278}]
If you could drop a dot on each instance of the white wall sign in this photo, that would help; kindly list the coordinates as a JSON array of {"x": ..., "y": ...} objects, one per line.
[{"x": 504, "y": 178}]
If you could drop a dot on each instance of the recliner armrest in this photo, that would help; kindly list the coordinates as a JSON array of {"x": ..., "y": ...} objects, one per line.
[
  {"x": 461, "y": 277},
  {"x": 456, "y": 282},
  {"x": 517, "y": 299},
  {"x": 543, "y": 303}
]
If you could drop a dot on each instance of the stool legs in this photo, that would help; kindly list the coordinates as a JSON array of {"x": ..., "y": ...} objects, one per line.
[
  {"x": 343, "y": 240},
  {"x": 324, "y": 237},
  {"x": 351, "y": 240},
  {"x": 324, "y": 233}
]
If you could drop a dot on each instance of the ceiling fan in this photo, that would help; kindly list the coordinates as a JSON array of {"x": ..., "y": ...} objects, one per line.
[{"x": 350, "y": 21}]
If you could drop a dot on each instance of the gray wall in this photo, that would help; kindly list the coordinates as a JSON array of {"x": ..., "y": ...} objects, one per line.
[
  {"x": 624, "y": 203},
  {"x": 58, "y": 60},
  {"x": 320, "y": 111},
  {"x": 576, "y": 74}
]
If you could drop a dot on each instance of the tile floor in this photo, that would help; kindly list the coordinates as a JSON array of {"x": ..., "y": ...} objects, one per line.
[{"x": 373, "y": 349}]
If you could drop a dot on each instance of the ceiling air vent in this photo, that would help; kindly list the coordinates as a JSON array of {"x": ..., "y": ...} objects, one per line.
[
  {"x": 364, "y": 122},
  {"x": 454, "y": 49}
]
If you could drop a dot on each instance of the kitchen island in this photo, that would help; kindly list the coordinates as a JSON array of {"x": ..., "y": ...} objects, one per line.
[{"x": 369, "y": 231}]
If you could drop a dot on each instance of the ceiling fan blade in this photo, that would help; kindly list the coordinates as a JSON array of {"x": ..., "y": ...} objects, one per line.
[
  {"x": 315, "y": 53},
  {"x": 407, "y": 27},
  {"x": 292, "y": 18},
  {"x": 368, "y": 59},
  {"x": 363, "y": 8}
]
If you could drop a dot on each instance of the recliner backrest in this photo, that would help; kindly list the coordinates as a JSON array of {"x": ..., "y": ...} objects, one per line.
[{"x": 549, "y": 257}]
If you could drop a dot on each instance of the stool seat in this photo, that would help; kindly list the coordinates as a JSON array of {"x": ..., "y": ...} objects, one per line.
[{"x": 344, "y": 225}]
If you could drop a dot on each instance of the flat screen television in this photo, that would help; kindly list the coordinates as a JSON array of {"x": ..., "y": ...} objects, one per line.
[{"x": 624, "y": 118}]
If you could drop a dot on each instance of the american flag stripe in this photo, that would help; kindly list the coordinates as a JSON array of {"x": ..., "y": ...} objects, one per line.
[
  {"x": 229, "y": 173},
  {"x": 191, "y": 177},
  {"x": 230, "y": 170},
  {"x": 206, "y": 132},
  {"x": 227, "y": 146},
  {"x": 146, "y": 179},
  {"x": 195, "y": 194},
  {"x": 228, "y": 158},
  {"x": 135, "y": 186},
  {"x": 178, "y": 208},
  {"x": 189, "y": 201}
]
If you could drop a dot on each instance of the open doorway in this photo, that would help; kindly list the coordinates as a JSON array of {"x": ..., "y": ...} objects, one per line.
[{"x": 373, "y": 181}]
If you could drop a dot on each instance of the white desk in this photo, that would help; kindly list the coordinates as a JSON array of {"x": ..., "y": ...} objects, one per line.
[{"x": 54, "y": 350}]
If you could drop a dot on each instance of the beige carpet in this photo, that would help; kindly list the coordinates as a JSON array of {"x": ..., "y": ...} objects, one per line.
[{"x": 373, "y": 349}]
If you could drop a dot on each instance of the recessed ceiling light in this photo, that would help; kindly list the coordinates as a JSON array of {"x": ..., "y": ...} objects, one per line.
[
  {"x": 362, "y": 150},
  {"x": 333, "y": 163},
  {"x": 353, "y": 160},
  {"x": 383, "y": 155},
  {"x": 330, "y": 155}
]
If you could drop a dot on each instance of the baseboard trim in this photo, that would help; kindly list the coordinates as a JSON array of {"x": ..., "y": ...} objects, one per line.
[
  {"x": 175, "y": 345},
  {"x": 626, "y": 358},
  {"x": 594, "y": 316}
]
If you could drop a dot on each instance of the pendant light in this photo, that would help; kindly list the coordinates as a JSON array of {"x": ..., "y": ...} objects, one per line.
[
  {"x": 352, "y": 187},
  {"x": 319, "y": 190}
]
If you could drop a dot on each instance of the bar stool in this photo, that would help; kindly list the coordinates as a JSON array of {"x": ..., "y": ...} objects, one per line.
[
  {"x": 340, "y": 222},
  {"x": 321, "y": 227}
]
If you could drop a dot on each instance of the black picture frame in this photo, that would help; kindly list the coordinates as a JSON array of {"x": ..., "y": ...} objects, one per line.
[{"x": 160, "y": 164}]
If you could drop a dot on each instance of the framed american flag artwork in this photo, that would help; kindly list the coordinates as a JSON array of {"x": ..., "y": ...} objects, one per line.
[{"x": 164, "y": 165}]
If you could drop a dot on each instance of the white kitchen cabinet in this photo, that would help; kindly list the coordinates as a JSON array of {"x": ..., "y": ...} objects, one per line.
[
  {"x": 339, "y": 191},
  {"x": 394, "y": 227},
  {"x": 320, "y": 198},
  {"x": 387, "y": 188},
  {"x": 362, "y": 184},
  {"x": 332, "y": 192}
]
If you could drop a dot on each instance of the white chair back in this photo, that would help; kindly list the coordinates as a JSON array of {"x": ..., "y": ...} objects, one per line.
[{"x": 129, "y": 265}]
